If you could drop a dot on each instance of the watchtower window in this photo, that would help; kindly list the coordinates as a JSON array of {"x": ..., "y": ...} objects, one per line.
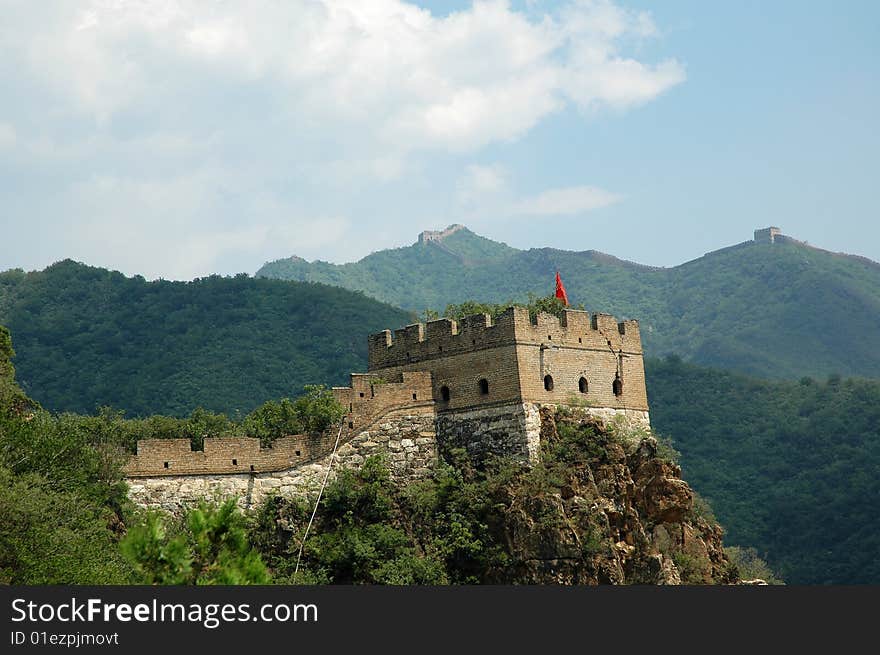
[
  {"x": 296, "y": 452},
  {"x": 166, "y": 464},
  {"x": 548, "y": 382},
  {"x": 583, "y": 385},
  {"x": 414, "y": 397},
  {"x": 252, "y": 467},
  {"x": 549, "y": 337},
  {"x": 444, "y": 393},
  {"x": 362, "y": 394},
  {"x": 484, "y": 386},
  {"x": 235, "y": 462},
  {"x": 617, "y": 386}
]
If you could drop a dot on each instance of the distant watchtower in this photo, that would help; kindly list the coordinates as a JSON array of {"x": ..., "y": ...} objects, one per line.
[
  {"x": 767, "y": 235},
  {"x": 437, "y": 236}
]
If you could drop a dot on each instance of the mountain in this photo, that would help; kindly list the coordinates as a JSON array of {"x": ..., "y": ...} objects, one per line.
[
  {"x": 87, "y": 337},
  {"x": 602, "y": 506},
  {"x": 783, "y": 309},
  {"x": 790, "y": 467}
]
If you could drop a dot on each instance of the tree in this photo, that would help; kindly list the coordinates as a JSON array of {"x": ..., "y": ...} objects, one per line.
[
  {"x": 54, "y": 537},
  {"x": 210, "y": 547},
  {"x": 536, "y": 304},
  {"x": 311, "y": 413}
]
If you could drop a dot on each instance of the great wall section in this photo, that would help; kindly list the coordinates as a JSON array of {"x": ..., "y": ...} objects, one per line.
[{"x": 473, "y": 384}]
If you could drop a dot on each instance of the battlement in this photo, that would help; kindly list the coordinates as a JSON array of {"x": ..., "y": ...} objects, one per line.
[
  {"x": 445, "y": 337},
  {"x": 452, "y": 372},
  {"x": 224, "y": 455},
  {"x": 371, "y": 396}
]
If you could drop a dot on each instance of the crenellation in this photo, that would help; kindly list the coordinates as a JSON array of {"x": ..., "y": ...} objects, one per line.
[
  {"x": 479, "y": 382},
  {"x": 606, "y": 324},
  {"x": 440, "y": 329},
  {"x": 222, "y": 455},
  {"x": 595, "y": 358},
  {"x": 472, "y": 325}
]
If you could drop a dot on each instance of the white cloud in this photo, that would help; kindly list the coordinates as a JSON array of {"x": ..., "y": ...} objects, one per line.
[
  {"x": 566, "y": 201},
  {"x": 485, "y": 192},
  {"x": 203, "y": 133},
  {"x": 413, "y": 79},
  {"x": 480, "y": 181},
  {"x": 7, "y": 136}
]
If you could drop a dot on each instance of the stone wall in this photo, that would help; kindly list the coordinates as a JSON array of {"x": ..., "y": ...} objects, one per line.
[
  {"x": 514, "y": 429},
  {"x": 480, "y": 384},
  {"x": 598, "y": 369},
  {"x": 370, "y": 396},
  {"x": 407, "y": 442},
  {"x": 508, "y": 429},
  {"x": 225, "y": 455}
]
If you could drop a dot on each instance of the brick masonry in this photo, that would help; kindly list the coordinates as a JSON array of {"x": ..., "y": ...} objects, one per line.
[
  {"x": 473, "y": 384},
  {"x": 516, "y": 357},
  {"x": 406, "y": 441}
]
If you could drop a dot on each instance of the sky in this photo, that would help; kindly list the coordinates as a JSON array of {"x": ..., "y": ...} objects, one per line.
[{"x": 180, "y": 138}]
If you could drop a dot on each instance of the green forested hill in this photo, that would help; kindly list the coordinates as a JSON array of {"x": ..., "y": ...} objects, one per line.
[
  {"x": 88, "y": 337},
  {"x": 789, "y": 467},
  {"x": 773, "y": 310}
]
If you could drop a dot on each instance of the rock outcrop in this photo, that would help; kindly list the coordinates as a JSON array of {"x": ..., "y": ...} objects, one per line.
[
  {"x": 602, "y": 503},
  {"x": 618, "y": 513}
]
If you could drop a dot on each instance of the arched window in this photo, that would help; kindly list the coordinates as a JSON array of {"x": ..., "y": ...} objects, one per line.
[
  {"x": 617, "y": 386},
  {"x": 444, "y": 393},
  {"x": 583, "y": 385},
  {"x": 548, "y": 382},
  {"x": 484, "y": 386}
]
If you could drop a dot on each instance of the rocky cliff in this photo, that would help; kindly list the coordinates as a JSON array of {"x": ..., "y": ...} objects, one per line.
[
  {"x": 618, "y": 513},
  {"x": 604, "y": 505}
]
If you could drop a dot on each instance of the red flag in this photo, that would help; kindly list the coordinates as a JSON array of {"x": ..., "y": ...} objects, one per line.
[{"x": 560, "y": 290}]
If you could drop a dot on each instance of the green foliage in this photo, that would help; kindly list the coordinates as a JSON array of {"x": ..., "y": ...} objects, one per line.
[
  {"x": 66, "y": 454},
  {"x": 354, "y": 540},
  {"x": 111, "y": 426},
  {"x": 87, "y": 337},
  {"x": 461, "y": 526},
  {"x": 750, "y": 566},
  {"x": 211, "y": 547},
  {"x": 690, "y": 566},
  {"x": 311, "y": 413},
  {"x": 790, "y": 467},
  {"x": 703, "y": 509},
  {"x": 48, "y": 536},
  {"x": 12, "y": 398},
  {"x": 535, "y": 304},
  {"x": 758, "y": 308},
  {"x": 61, "y": 497}
]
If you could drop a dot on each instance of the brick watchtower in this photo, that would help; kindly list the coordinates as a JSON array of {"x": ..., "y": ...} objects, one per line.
[{"x": 488, "y": 379}]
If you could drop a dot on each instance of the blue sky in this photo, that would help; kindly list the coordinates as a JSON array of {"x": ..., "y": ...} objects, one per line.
[{"x": 179, "y": 139}]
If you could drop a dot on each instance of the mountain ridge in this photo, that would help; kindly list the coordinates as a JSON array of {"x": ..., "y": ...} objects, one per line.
[
  {"x": 87, "y": 336},
  {"x": 752, "y": 307}
]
